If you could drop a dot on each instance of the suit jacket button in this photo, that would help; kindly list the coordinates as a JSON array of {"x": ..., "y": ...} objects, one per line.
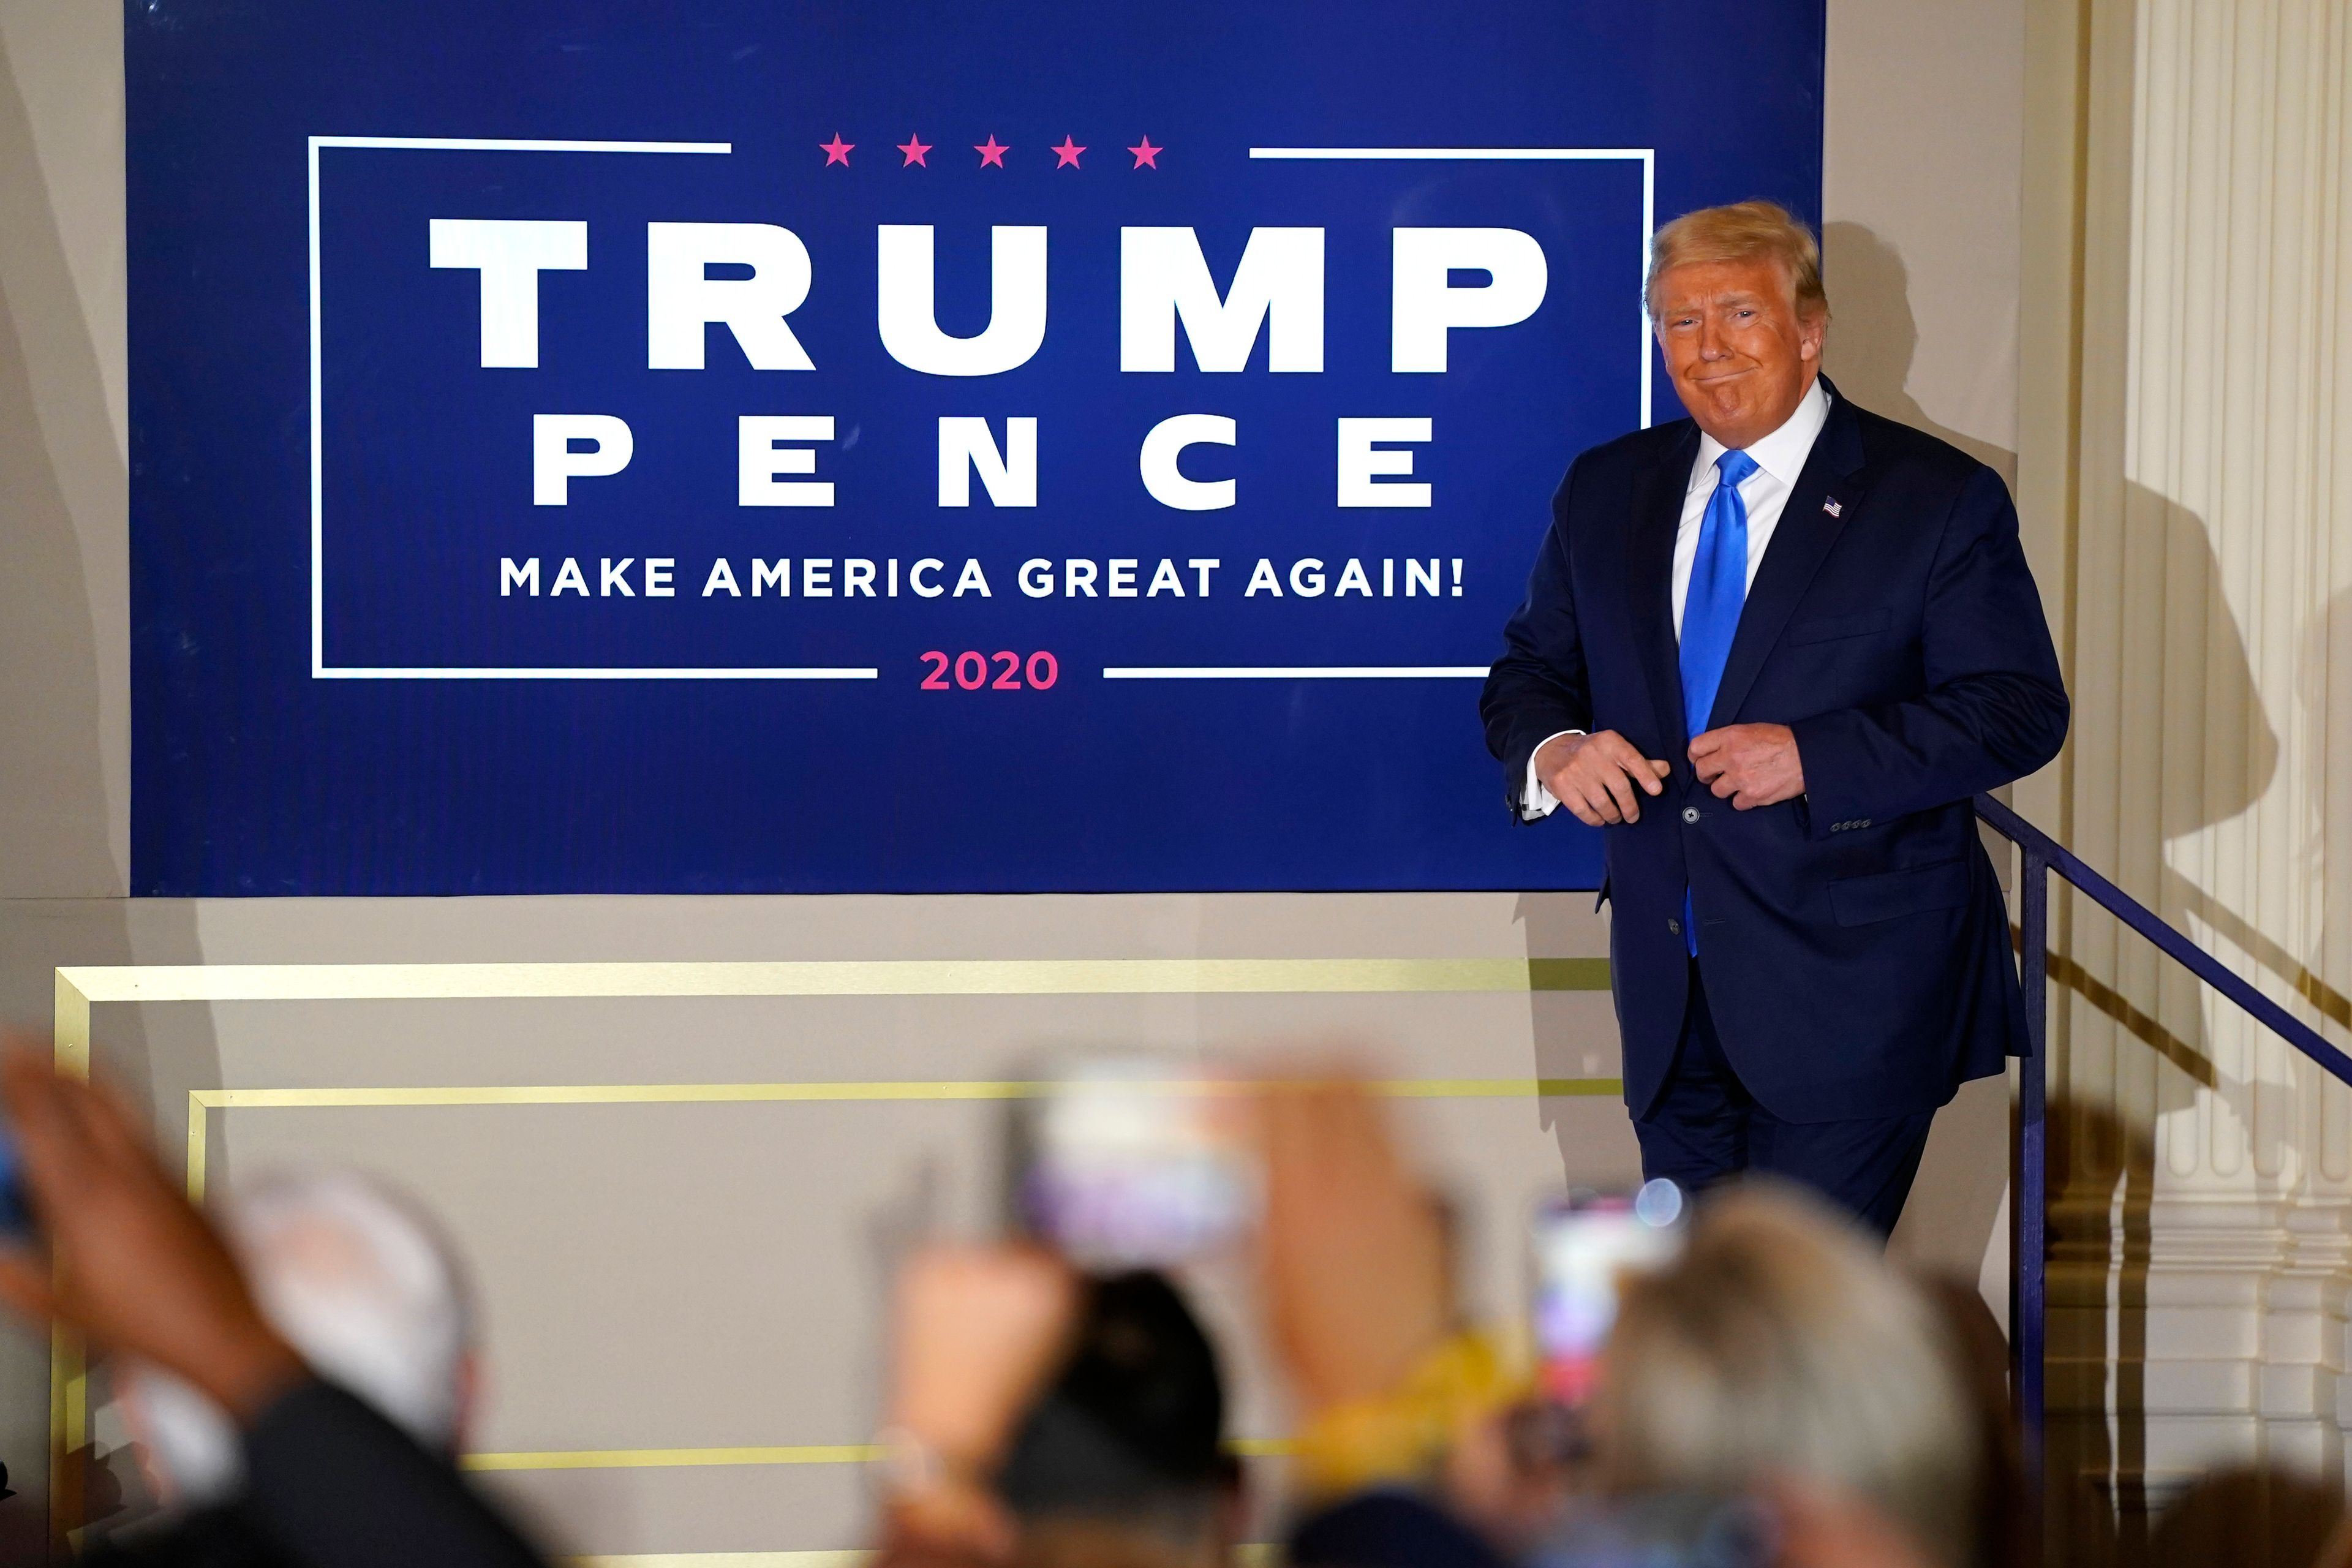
[
  {"x": 1690, "y": 813},
  {"x": 1675, "y": 926}
]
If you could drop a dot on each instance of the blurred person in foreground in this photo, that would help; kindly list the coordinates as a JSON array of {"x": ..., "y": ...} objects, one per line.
[
  {"x": 1356, "y": 1270},
  {"x": 1128, "y": 1442},
  {"x": 366, "y": 1290},
  {"x": 2007, "y": 1519},
  {"x": 124, "y": 1258},
  {"x": 1780, "y": 1395},
  {"x": 1782, "y": 1373},
  {"x": 1781, "y": 1358},
  {"x": 2255, "y": 1516},
  {"x": 1352, "y": 1260},
  {"x": 1042, "y": 1418}
]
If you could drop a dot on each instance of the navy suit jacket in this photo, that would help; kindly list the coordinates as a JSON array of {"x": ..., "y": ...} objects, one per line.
[{"x": 1853, "y": 942}]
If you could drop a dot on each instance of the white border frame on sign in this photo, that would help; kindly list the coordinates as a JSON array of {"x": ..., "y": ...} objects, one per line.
[{"x": 321, "y": 670}]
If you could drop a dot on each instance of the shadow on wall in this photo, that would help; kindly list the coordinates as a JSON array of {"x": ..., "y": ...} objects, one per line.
[
  {"x": 64, "y": 623},
  {"x": 56, "y": 438},
  {"x": 2324, "y": 686},
  {"x": 1874, "y": 336},
  {"x": 2103, "y": 1156}
]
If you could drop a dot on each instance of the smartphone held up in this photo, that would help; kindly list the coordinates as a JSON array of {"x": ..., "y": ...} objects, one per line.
[
  {"x": 1585, "y": 1244},
  {"x": 1123, "y": 1165}
]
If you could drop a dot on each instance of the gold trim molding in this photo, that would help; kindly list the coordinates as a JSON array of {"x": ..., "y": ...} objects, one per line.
[{"x": 79, "y": 987}]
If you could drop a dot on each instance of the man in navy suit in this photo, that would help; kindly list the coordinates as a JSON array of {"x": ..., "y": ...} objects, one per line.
[{"x": 1772, "y": 651}]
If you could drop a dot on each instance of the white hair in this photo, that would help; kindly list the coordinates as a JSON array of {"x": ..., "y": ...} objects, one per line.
[
  {"x": 363, "y": 1286},
  {"x": 1783, "y": 1341}
]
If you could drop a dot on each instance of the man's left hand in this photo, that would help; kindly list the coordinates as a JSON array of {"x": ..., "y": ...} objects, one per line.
[{"x": 1750, "y": 764}]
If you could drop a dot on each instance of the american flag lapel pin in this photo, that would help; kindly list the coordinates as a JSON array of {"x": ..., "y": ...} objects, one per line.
[{"x": 1832, "y": 507}]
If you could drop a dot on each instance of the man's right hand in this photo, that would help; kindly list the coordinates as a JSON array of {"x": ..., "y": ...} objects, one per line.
[{"x": 1600, "y": 777}]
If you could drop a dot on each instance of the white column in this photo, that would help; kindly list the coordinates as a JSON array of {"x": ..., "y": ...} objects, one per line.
[{"x": 2200, "y": 1237}]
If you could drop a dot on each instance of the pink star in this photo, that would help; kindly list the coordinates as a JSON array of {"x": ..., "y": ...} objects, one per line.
[
  {"x": 1145, "y": 153},
  {"x": 836, "y": 151},
  {"x": 914, "y": 148},
  {"x": 1066, "y": 156},
  {"x": 989, "y": 152}
]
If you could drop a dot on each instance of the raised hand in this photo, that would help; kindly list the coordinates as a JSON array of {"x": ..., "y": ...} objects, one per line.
[
  {"x": 130, "y": 1261},
  {"x": 1354, "y": 1255}
]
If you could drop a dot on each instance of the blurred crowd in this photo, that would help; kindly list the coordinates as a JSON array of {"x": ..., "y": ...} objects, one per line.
[{"x": 296, "y": 1369}]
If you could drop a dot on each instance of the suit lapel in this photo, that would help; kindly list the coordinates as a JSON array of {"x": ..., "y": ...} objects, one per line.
[
  {"x": 1658, "y": 492},
  {"x": 1808, "y": 529}
]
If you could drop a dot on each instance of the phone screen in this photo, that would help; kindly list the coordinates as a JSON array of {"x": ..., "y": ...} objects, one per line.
[
  {"x": 1584, "y": 1243},
  {"x": 1131, "y": 1165}
]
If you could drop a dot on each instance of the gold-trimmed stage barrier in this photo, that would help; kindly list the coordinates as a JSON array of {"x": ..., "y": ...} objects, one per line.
[
  {"x": 201, "y": 1102},
  {"x": 79, "y": 987},
  {"x": 1253, "y": 1554},
  {"x": 812, "y": 1454},
  {"x": 837, "y": 1559}
]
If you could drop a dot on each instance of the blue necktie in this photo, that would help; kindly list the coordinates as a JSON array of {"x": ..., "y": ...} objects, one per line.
[{"x": 1718, "y": 587}]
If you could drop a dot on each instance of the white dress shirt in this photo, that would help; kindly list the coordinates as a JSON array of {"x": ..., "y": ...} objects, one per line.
[{"x": 1780, "y": 459}]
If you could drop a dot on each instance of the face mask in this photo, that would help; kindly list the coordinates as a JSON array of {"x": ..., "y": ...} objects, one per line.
[{"x": 193, "y": 1443}]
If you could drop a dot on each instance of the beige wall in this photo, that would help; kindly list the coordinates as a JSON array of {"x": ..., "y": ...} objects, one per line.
[
  {"x": 707, "y": 1276},
  {"x": 1920, "y": 213}
]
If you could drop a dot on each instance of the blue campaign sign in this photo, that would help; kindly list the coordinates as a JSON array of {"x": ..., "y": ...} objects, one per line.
[{"x": 744, "y": 447}]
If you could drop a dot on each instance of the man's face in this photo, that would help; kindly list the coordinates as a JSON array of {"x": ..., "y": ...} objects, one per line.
[{"x": 1740, "y": 354}]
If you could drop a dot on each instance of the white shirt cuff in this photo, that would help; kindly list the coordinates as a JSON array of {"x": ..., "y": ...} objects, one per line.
[{"x": 1536, "y": 802}]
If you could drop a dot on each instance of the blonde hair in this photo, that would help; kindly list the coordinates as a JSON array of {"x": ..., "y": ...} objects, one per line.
[
  {"x": 1782, "y": 1343},
  {"x": 1741, "y": 232}
]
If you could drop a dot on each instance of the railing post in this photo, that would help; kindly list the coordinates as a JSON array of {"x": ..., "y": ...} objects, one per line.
[{"x": 2028, "y": 1206}]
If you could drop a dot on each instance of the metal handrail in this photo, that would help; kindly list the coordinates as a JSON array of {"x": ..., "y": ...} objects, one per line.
[{"x": 2028, "y": 1215}]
